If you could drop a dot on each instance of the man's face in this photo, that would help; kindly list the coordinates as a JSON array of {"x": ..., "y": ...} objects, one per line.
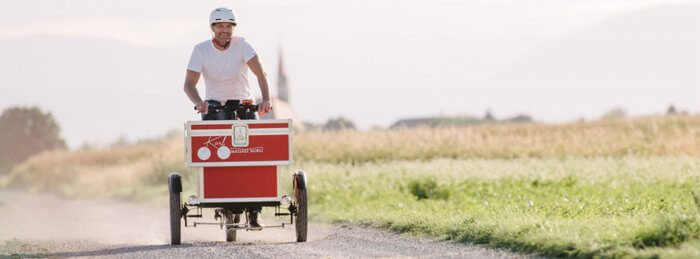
[{"x": 222, "y": 30}]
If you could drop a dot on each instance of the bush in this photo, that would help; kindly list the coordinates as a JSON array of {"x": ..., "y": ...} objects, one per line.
[{"x": 427, "y": 188}]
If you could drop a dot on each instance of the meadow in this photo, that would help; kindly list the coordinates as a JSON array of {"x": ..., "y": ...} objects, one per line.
[{"x": 618, "y": 188}]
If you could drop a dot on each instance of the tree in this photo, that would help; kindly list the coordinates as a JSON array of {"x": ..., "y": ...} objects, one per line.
[
  {"x": 488, "y": 116},
  {"x": 615, "y": 114},
  {"x": 25, "y": 132},
  {"x": 339, "y": 124},
  {"x": 671, "y": 110}
]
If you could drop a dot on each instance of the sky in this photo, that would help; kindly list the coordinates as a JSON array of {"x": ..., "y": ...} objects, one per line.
[{"x": 373, "y": 62}]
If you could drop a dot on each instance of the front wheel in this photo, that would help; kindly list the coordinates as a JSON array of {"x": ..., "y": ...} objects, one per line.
[
  {"x": 175, "y": 188},
  {"x": 300, "y": 193}
]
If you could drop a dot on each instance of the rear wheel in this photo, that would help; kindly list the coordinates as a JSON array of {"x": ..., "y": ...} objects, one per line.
[
  {"x": 175, "y": 188},
  {"x": 301, "y": 220},
  {"x": 230, "y": 230}
]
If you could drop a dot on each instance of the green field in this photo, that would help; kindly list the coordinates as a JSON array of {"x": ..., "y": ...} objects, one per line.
[
  {"x": 626, "y": 188},
  {"x": 583, "y": 207}
]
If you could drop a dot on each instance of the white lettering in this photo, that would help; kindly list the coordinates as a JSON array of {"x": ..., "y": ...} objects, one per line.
[{"x": 247, "y": 150}]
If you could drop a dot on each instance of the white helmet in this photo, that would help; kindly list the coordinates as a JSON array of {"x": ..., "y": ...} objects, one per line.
[{"x": 222, "y": 14}]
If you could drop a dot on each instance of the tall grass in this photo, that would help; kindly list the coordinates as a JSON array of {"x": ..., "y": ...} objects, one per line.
[
  {"x": 650, "y": 136},
  {"x": 134, "y": 171}
]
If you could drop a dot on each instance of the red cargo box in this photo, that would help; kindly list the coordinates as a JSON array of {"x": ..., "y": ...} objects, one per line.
[
  {"x": 256, "y": 143},
  {"x": 238, "y": 159}
]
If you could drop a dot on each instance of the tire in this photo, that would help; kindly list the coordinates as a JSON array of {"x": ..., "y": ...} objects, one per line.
[
  {"x": 230, "y": 230},
  {"x": 300, "y": 193},
  {"x": 175, "y": 188}
]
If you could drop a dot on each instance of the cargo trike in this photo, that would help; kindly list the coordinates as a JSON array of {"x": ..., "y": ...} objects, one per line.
[{"x": 236, "y": 171}]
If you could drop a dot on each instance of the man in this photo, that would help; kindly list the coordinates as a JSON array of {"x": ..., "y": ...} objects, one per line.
[{"x": 224, "y": 61}]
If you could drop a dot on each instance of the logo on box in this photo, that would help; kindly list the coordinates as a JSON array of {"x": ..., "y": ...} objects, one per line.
[{"x": 240, "y": 135}]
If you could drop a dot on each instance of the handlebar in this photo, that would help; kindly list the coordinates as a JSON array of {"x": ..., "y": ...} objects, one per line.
[
  {"x": 251, "y": 107},
  {"x": 232, "y": 105}
]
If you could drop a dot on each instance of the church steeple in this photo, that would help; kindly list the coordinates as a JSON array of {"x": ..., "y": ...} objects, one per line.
[{"x": 282, "y": 87}]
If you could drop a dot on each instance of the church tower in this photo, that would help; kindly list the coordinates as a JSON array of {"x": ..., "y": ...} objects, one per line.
[{"x": 282, "y": 83}]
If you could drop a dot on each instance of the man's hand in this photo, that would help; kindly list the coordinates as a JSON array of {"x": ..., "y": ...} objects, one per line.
[
  {"x": 203, "y": 107},
  {"x": 264, "y": 107}
]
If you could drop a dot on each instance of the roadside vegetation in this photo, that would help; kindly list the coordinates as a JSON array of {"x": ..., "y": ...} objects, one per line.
[{"x": 611, "y": 188}]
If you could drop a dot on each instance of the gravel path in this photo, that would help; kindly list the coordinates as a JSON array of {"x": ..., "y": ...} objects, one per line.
[{"x": 43, "y": 225}]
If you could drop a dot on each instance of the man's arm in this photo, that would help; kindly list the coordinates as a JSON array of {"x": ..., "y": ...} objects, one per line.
[
  {"x": 256, "y": 67},
  {"x": 190, "y": 88}
]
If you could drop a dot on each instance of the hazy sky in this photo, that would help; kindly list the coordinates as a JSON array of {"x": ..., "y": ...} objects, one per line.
[{"x": 371, "y": 61}]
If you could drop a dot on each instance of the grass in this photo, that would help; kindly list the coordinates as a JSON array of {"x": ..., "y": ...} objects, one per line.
[
  {"x": 579, "y": 207},
  {"x": 626, "y": 188}
]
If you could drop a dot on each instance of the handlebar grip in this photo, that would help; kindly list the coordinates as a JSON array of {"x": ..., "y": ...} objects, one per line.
[{"x": 251, "y": 106}]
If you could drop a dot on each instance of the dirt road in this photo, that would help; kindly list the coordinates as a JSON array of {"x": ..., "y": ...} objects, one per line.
[{"x": 45, "y": 225}]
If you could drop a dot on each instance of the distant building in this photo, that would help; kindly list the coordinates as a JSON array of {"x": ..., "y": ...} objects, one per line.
[
  {"x": 457, "y": 121},
  {"x": 415, "y": 122}
]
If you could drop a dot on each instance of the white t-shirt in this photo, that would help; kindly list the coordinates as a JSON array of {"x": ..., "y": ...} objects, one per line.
[{"x": 225, "y": 72}]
